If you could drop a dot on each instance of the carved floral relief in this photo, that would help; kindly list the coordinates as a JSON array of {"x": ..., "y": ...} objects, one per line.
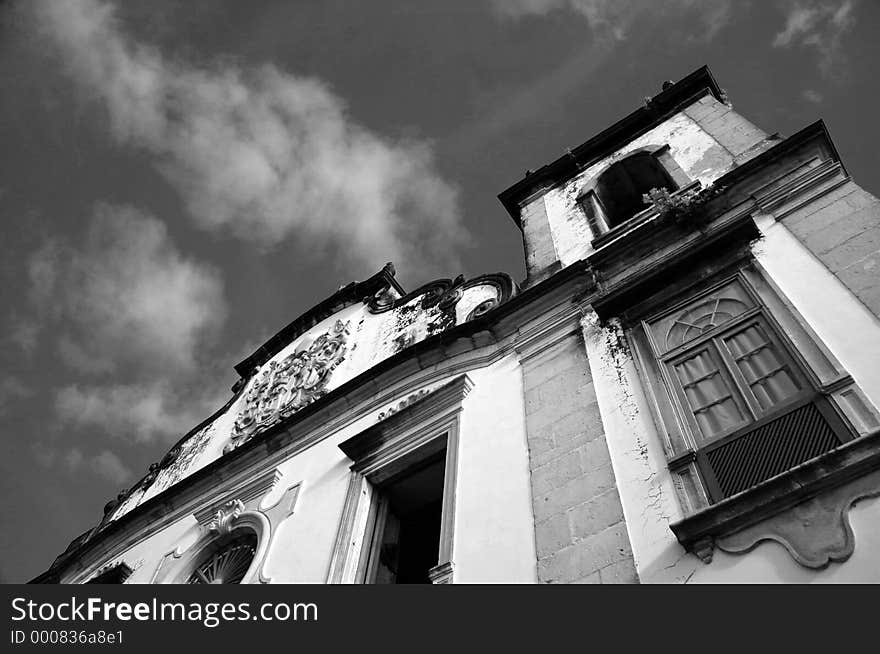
[{"x": 286, "y": 386}]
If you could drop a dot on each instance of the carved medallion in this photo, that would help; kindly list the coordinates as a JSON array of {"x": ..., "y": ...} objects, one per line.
[
  {"x": 444, "y": 294},
  {"x": 285, "y": 387},
  {"x": 482, "y": 309}
]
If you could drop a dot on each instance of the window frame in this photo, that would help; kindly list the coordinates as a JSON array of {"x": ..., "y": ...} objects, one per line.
[
  {"x": 741, "y": 392},
  {"x": 383, "y": 452},
  {"x": 368, "y": 560},
  {"x": 242, "y": 505},
  {"x": 822, "y": 377},
  {"x": 622, "y": 170},
  {"x": 178, "y": 565},
  {"x": 219, "y": 544},
  {"x": 591, "y": 203}
]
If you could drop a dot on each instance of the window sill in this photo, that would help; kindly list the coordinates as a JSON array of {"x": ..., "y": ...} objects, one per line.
[
  {"x": 640, "y": 262},
  {"x": 804, "y": 509},
  {"x": 624, "y": 228},
  {"x": 636, "y": 221}
]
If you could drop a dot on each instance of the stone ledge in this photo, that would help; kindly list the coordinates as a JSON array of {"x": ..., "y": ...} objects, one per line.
[{"x": 805, "y": 509}]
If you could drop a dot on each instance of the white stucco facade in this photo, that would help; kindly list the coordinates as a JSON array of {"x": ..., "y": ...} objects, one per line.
[{"x": 567, "y": 451}]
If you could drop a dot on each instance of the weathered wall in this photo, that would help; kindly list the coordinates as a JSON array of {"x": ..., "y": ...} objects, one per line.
[
  {"x": 706, "y": 139},
  {"x": 580, "y": 533},
  {"x": 494, "y": 532},
  {"x": 738, "y": 136},
  {"x": 842, "y": 230},
  {"x": 845, "y": 327},
  {"x": 538, "y": 243},
  {"x": 370, "y": 337},
  {"x": 844, "y": 324}
]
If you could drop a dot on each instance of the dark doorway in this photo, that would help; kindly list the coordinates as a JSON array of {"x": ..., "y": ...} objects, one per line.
[{"x": 406, "y": 543}]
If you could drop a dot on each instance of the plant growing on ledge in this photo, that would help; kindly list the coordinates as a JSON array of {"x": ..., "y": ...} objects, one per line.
[{"x": 683, "y": 206}]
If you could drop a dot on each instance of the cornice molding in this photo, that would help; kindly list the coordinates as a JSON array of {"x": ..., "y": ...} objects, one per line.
[
  {"x": 802, "y": 189},
  {"x": 368, "y": 448},
  {"x": 547, "y": 333}
]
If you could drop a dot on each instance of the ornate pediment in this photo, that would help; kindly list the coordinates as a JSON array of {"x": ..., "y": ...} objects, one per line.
[
  {"x": 278, "y": 381},
  {"x": 286, "y": 386}
]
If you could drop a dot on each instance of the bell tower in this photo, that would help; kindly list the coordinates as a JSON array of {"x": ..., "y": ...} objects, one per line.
[{"x": 682, "y": 140}]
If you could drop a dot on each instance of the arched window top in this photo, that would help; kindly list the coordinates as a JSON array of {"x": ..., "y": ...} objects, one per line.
[
  {"x": 620, "y": 188},
  {"x": 700, "y": 316},
  {"x": 226, "y": 560},
  {"x": 703, "y": 317}
]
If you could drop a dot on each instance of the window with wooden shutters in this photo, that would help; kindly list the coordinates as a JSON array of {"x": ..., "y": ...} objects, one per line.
[{"x": 745, "y": 404}]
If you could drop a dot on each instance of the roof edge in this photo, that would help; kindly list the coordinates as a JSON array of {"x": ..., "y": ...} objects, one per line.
[{"x": 346, "y": 296}]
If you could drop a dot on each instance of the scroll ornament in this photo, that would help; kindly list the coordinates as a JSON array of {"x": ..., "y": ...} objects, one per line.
[
  {"x": 225, "y": 516},
  {"x": 285, "y": 387}
]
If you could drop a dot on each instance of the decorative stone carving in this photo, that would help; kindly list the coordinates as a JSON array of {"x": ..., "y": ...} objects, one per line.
[
  {"x": 381, "y": 301},
  {"x": 404, "y": 339},
  {"x": 165, "y": 473},
  {"x": 286, "y": 386},
  {"x": 444, "y": 297},
  {"x": 815, "y": 532},
  {"x": 482, "y": 308},
  {"x": 172, "y": 454},
  {"x": 390, "y": 411},
  {"x": 151, "y": 475},
  {"x": 113, "y": 504},
  {"x": 178, "y": 461},
  {"x": 247, "y": 507},
  {"x": 225, "y": 516},
  {"x": 444, "y": 294}
]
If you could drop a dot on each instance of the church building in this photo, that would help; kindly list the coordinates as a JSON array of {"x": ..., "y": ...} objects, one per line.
[{"x": 683, "y": 389}]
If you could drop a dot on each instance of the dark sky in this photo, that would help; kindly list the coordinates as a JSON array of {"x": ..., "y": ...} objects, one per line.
[{"x": 181, "y": 179}]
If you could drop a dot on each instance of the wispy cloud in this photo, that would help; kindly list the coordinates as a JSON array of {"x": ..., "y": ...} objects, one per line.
[
  {"x": 105, "y": 463},
  {"x": 108, "y": 465},
  {"x": 812, "y": 95},
  {"x": 139, "y": 412},
  {"x": 817, "y": 24},
  {"x": 12, "y": 389},
  {"x": 258, "y": 152},
  {"x": 126, "y": 295},
  {"x": 615, "y": 17},
  {"x": 124, "y": 303},
  {"x": 23, "y": 333}
]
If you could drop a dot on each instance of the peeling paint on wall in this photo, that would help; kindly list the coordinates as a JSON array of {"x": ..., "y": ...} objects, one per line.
[{"x": 695, "y": 151}]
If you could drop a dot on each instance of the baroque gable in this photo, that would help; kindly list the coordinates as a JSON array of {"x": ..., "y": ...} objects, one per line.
[{"x": 338, "y": 340}]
